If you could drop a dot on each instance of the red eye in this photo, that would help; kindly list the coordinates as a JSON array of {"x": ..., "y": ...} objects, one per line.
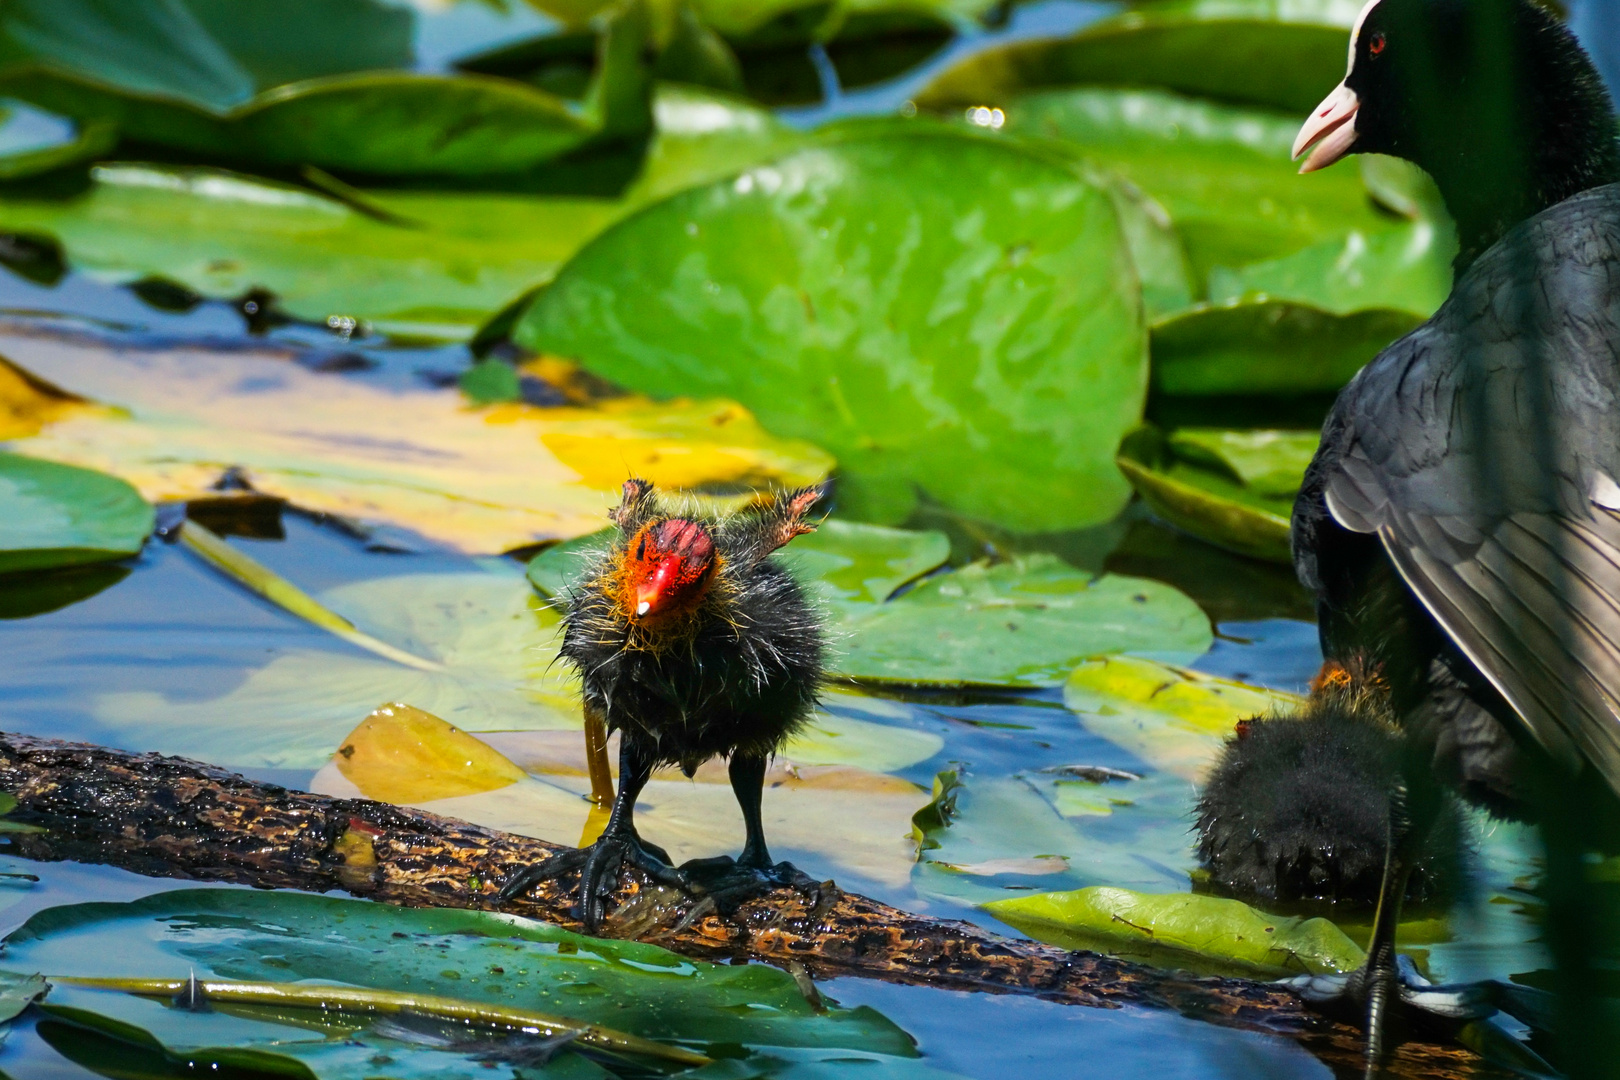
[{"x": 1376, "y": 44}]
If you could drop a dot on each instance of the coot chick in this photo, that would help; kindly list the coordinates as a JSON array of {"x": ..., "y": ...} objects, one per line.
[
  {"x": 1298, "y": 807},
  {"x": 691, "y": 643},
  {"x": 1460, "y": 523}
]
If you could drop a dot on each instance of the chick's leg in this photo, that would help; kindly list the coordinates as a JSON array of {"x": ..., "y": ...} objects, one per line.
[
  {"x": 730, "y": 882},
  {"x": 748, "y": 784},
  {"x": 600, "y": 864}
]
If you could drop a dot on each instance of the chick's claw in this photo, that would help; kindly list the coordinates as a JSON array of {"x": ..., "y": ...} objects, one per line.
[
  {"x": 599, "y": 867},
  {"x": 730, "y": 883}
]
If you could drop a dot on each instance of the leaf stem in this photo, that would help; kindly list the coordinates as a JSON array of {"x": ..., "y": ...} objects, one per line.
[
  {"x": 255, "y": 576},
  {"x": 355, "y": 999}
]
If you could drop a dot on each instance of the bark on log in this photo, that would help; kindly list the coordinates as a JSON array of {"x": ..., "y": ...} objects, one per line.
[{"x": 170, "y": 817}]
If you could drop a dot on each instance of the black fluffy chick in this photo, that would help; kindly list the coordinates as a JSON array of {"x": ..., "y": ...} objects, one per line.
[
  {"x": 1301, "y": 807},
  {"x": 692, "y": 643}
]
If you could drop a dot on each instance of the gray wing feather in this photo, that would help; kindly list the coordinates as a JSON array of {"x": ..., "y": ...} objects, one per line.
[{"x": 1473, "y": 448}]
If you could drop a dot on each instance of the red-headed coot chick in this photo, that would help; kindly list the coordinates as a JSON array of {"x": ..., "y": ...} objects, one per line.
[
  {"x": 692, "y": 643},
  {"x": 1460, "y": 523}
]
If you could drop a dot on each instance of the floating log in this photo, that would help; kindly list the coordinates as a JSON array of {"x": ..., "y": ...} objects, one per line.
[{"x": 170, "y": 817}]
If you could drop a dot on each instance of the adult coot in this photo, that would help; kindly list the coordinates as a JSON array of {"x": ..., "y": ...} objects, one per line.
[{"x": 1460, "y": 523}]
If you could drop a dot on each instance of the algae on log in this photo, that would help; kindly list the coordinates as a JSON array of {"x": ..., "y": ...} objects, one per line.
[{"x": 170, "y": 817}]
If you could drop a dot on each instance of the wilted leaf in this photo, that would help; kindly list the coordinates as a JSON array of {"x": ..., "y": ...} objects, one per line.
[
  {"x": 56, "y": 515},
  {"x": 415, "y": 457},
  {"x": 1267, "y": 52},
  {"x": 1172, "y": 718},
  {"x": 1020, "y": 623},
  {"x": 858, "y": 294},
  {"x": 471, "y": 955},
  {"x": 400, "y": 753},
  {"x": 1168, "y": 926}
]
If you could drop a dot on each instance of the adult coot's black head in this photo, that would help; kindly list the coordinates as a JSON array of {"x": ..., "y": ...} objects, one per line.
[{"x": 1494, "y": 98}]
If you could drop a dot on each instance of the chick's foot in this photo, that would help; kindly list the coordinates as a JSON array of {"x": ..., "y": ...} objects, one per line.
[
  {"x": 599, "y": 866},
  {"x": 729, "y": 883}
]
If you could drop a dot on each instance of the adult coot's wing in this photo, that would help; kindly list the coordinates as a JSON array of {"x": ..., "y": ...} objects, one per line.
[{"x": 1483, "y": 450}]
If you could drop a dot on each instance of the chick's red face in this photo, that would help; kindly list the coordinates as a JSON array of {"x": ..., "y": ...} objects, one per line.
[{"x": 667, "y": 569}]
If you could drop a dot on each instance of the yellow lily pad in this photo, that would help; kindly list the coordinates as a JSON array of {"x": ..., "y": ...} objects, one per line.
[
  {"x": 481, "y": 480},
  {"x": 1172, "y": 718},
  {"x": 400, "y": 752}
]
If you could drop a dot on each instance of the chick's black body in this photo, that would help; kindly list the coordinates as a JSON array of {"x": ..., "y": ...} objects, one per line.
[{"x": 728, "y": 667}]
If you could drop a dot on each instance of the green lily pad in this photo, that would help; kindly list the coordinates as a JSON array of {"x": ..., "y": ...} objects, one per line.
[
  {"x": 311, "y": 85},
  {"x": 1265, "y": 52},
  {"x": 854, "y": 566},
  {"x": 59, "y": 515},
  {"x": 1224, "y": 175},
  {"x": 1173, "y": 719},
  {"x": 1171, "y": 926},
  {"x": 471, "y": 955},
  {"x": 1020, "y": 623},
  {"x": 1265, "y": 346},
  {"x": 857, "y": 294},
  {"x": 1234, "y": 489},
  {"x": 221, "y": 234}
]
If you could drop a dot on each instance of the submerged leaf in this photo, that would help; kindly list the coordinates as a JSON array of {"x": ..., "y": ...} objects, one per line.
[
  {"x": 1170, "y": 717},
  {"x": 495, "y": 640},
  {"x": 56, "y": 515},
  {"x": 857, "y": 294},
  {"x": 1226, "y": 932},
  {"x": 482, "y": 481}
]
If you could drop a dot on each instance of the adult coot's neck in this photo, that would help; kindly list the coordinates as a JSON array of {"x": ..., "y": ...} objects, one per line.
[{"x": 1494, "y": 98}]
